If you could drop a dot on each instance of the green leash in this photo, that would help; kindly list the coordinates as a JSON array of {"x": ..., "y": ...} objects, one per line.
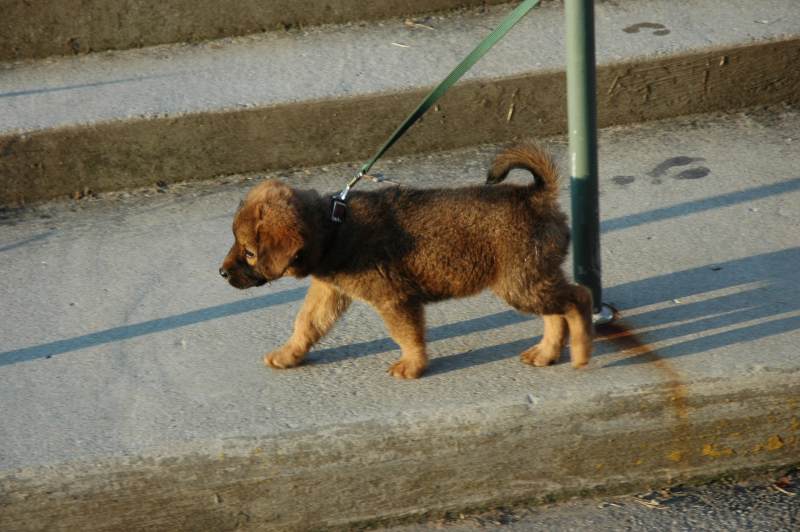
[{"x": 338, "y": 201}]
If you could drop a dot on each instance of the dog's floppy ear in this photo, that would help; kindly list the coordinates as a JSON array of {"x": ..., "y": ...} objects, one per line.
[{"x": 278, "y": 237}]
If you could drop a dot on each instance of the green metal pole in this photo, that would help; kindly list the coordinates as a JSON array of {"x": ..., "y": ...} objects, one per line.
[{"x": 582, "y": 119}]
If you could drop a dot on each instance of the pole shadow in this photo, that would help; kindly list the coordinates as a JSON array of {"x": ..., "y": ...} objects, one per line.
[
  {"x": 775, "y": 273},
  {"x": 770, "y": 294},
  {"x": 700, "y": 205}
]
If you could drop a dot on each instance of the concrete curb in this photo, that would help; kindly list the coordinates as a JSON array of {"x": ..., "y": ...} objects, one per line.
[
  {"x": 36, "y": 29},
  {"x": 119, "y": 154},
  {"x": 377, "y": 472},
  {"x": 133, "y": 395}
]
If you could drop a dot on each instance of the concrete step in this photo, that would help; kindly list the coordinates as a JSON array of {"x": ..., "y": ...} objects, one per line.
[
  {"x": 36, "y": 29},
  {"x": 277, "y": 100},
  {"x": 132, "y": 394}
]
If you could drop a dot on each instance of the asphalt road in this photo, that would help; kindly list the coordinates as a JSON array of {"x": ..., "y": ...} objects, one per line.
[{"x": 769, "y": 502}]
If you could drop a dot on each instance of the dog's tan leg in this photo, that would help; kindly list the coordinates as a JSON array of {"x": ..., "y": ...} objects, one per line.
[
  {"x": 549, "y": 349},
  {"x": 562, "y": 306},
  {"x": 406, "y": 324},
  {"x": 322, "y": 307},
  {"x": 579, "y": 321}
]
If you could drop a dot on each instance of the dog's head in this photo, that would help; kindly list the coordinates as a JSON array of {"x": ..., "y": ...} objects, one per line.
[{"x": 271, "y": 233}]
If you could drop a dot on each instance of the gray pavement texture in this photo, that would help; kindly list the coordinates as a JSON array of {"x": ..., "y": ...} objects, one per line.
[
  {"x": 760, "y": 504},
  {"x": 131, "y": 381},
  {"x": 353, "y": 60},
  {"x": 38, "y": 28},
  {"x": 277, "y": 100}
]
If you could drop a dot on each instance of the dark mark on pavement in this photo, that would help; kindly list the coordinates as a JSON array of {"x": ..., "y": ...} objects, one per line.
[
  {"x": 623, "y": 180},
  {"x": 681, "y": 160},
  {"x": 693, "y": 173},
  {"x": 660, "y": 29}
]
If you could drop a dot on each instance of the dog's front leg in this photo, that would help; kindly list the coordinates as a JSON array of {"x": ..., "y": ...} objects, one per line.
[
  {"x": 322, "y": 307},
  {"x": 406, "y": 324}
]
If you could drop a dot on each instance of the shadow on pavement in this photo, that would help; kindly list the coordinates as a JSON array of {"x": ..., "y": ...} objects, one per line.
[
  {"x": 31, "y": 92},
  {"x": 25, "y": 242},
  {"x": 776, "y": 274},
  {"x": 126, "y": 332},
  {"x": 777, "y": 292},
  {"x": 770, "y": 288},
  {"x": 700, "y": 205}
]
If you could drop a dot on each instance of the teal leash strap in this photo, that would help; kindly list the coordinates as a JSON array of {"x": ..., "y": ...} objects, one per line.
[{"x": 484, "y": 46}]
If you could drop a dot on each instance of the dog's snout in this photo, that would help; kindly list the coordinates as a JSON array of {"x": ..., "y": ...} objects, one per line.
[{"x": 224, "y": 273}]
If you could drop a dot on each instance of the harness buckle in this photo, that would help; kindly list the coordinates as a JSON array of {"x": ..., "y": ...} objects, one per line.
[{"x": 338, "y": 209}]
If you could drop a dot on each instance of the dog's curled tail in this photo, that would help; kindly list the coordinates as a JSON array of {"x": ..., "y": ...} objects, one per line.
[{"x": 534, "y": 159}]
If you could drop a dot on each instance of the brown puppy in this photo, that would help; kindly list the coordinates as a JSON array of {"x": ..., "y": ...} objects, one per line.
[{"x": 401, "y": 248}]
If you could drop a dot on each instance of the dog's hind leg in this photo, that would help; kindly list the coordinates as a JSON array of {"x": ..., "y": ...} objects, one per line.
[
  {"x": 322, "y": 307},
  {"x": 563, "y": 307},
  {"x": 579, "y": 320},
  {"x": 406, "y": 325}
]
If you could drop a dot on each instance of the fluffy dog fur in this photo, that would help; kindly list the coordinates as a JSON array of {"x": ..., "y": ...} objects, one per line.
[{"x": 400, "y": 248}]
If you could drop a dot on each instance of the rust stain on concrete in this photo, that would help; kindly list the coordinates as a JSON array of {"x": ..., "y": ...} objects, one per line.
[
  {"x": 624, "y": 337},
  {"x": 774, "y": 443},
  {"x": 713, "y": 451},
  {"x": 675, "y": 456}
]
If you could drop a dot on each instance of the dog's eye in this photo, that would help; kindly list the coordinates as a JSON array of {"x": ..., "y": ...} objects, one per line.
[{"x": 249, "y": 254}]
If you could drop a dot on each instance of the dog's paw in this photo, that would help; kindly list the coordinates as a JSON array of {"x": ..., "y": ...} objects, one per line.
[
  {"x": 540, "y": 355},
  {"x": 406, "y": 369},
  {"x": 283, "y": 358},
  {"x": 579, "y": 364},
  {"x": 580, "y": 356}
]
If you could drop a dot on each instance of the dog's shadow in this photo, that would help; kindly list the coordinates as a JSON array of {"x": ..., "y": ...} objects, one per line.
[
  {"x": 740, "y": 291},
  {"x": 475, "y": 357}
]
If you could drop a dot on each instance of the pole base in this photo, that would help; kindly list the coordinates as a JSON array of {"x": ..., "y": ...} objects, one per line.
[{"x": 606, "y": 315}]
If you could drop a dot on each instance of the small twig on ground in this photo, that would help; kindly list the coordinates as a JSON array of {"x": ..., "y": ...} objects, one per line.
[
  {"x": 378, "y": 178},
  {"x": 414, "y": 24},
  {"x": 654, "y": 505},
  {"x": 785, "y": 492},
  {"x": 606, "y": 504}
]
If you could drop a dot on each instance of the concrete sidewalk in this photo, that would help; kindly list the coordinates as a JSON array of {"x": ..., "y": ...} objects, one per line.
[
  {"x": 132, "y": 394},
  {"x": 30, "y": 29},
  {"x": 276, "y": 100}
]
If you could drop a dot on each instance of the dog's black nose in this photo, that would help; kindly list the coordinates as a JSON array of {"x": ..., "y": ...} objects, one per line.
[{"x": 223, "y": 273}]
